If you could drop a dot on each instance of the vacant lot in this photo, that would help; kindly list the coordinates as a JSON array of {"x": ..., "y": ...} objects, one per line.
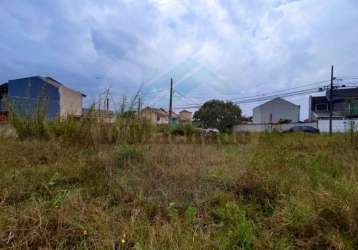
[{"x": 260, "y": 192}]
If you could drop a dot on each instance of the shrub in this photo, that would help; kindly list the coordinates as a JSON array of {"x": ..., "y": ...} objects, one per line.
[
  {"x": 183, "y": 129},
  {"x": 191, "y": 215},
  {"x": 126, "y": 154},
  {"x": 238, "y": 232}
]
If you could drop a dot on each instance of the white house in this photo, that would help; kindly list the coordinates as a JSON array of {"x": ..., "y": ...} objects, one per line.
[{"x": 275, "y": 111}]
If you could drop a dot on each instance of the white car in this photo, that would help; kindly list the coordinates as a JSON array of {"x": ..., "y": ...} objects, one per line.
[{"x": 209, "y": 131}]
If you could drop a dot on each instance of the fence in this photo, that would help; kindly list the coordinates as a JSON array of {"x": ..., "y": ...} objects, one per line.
[
  {"x": 338, "y": 126},
  {"x": 265, "y": 127}
]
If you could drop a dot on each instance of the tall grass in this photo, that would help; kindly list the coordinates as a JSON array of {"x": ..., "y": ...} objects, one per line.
[
  {"x": 28, "y": 124},
  {"x": 88, "y": 184},
  {"x": 96, "y": 127},
  {"x": 268, "y": 191}
]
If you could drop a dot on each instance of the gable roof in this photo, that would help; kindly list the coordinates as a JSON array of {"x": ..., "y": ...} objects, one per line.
[
  {"x": 57, "y": 84},
  {"x": 52, "y": 82},
  {"x": 276, "y": 100},
  {"x": 158, "y": 111},
  {"x": 185, "y": 111}
]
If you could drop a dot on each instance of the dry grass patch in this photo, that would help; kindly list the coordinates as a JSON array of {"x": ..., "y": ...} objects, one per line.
[{"x": 252, "y": 192}]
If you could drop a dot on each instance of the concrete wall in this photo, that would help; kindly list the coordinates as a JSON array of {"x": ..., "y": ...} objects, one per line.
[
  {"x": 7, "y": 130},
  {"x": 341, "y": 126},
  {"x": 153, "y": 117},
  {"x": 275, "y": 110},
  {"x": 185, "y": 116},
  {"x": 70, "y": 102},
  {"x": 269, "y": 127},
  {"x": 149, "y": 115}
]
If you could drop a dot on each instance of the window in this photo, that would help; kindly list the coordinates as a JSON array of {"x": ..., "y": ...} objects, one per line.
[{"x": 322, "y": 107}]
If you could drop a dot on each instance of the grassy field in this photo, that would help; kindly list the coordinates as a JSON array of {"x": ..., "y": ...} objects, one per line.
[{"x": 263, "y": 191}]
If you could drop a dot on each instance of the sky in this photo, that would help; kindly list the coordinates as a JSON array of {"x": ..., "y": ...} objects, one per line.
[{"x": 220, "y": 49}]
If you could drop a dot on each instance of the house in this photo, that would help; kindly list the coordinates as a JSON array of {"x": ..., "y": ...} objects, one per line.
[
  {"x": 155, "y": 115},
  {"x": 345, "y": 104},
  {"x": 158, "y": 115},
  {"x": 175, "y": 118},
  {"x": 25, "y": 95},
  {"x": 276, "y": 111},
  {"x": 185, "y": 116}
]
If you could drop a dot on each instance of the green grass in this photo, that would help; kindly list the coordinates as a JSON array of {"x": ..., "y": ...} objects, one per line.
[{"x": 275, "y": 191}]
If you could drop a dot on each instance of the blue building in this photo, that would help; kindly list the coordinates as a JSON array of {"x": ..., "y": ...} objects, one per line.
[{"x": 26, "y": 95}]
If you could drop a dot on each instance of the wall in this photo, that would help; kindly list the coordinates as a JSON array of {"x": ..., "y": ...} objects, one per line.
[
  {"x": 279, "y": 108},
  {"x": 28, "y": 93},
  {"x": 269, "y": 127},
  {"x": 338, "y": 125},
  {"x": 163, "y": 120},
  {"x": 3, "y": 95},
  {"x": 185, "y": 116},
  {"x": 70, "y": 102},
  {"x": 7, "y": 130},
  {"x": 149, "y": 115}
]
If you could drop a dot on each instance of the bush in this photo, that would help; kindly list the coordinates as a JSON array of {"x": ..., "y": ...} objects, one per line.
[
  {"x": 238, "y": 232},
  {"x": 183, "y": 129},
  {"x": 126, "y": 154}
]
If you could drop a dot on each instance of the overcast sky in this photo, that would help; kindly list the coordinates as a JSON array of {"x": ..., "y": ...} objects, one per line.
[{"x": 212, "y": 48}]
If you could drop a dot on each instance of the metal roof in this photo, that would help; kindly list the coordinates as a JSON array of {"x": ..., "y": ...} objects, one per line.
[
  {"x": 57, "y": 84},
  {"x": 49, "y": 80}
]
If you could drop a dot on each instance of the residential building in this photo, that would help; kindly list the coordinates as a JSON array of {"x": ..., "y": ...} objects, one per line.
[
  {"x": 25, "y": 95},
  {"x": 158, "y": 115},
  {"x": 155, "y": 115},
  {"x": 276, "y": 111},
  {"x": 175, "y": 118},
  {"x": 185, "y": 116},
  {"x": 345, "y": 104}
]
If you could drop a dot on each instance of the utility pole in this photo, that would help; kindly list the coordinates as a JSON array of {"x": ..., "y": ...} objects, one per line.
[
  {"x": 139, "y": 104},
  {"x": 171, "y": 101},
  {"x": 331, "y": 102},
  {"x": 107, "y": 100},
  {"x": 107, "y": 104}
]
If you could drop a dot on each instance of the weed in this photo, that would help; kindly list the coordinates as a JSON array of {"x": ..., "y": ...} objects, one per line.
[{"x": 87, "y": 184}]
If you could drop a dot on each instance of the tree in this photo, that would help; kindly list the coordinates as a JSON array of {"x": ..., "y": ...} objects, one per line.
[{"x": 218, "y": 114}]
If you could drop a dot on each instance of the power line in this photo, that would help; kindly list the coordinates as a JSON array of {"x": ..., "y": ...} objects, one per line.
[
  {"x": 281, "y": 90},
  {"x": 186, "y": 97},
  {"x": 296, "y": 93},
  {"x": 348, "y": 77},
  {"x": 288, "y": 92},
  {"x": 275, "y": 92},
  {"x": 264, "y": 98}
]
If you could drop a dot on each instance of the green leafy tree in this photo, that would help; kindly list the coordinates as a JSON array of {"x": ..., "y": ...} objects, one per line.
[{"x": 218, "y": 114}]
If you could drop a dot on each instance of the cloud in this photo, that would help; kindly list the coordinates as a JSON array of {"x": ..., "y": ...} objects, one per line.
[{"x": 228, "y": 48}]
